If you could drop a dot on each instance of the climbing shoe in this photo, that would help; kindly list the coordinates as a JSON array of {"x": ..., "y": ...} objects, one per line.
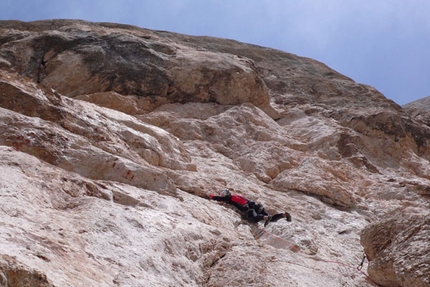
[
  {"x": 267, "y": 220},
  {"x": 287, "y": 216}
]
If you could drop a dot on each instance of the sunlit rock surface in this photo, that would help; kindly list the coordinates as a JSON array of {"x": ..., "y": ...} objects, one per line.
[{"x": 112, "y": 137}]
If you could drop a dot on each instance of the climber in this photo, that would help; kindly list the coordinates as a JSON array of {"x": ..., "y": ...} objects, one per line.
[{"x": 251, "y": 210}]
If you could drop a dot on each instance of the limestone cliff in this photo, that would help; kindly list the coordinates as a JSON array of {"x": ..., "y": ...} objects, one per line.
[
  {"x": 113, "y": 136},
  {"x": 419, "y": 110}
]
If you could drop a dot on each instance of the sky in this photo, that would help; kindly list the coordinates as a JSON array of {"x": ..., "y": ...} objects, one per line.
[{"x": 381, "y": 43}]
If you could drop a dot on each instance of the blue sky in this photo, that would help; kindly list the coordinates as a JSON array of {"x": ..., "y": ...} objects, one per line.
[{"x": 382, "y": 43}]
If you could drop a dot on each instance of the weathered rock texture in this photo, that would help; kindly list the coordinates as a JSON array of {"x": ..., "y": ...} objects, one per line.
[
  {"x": 419, "y": 110},
  {"x": 398, "y": 250},
  {"x": 112, "y": 137}
]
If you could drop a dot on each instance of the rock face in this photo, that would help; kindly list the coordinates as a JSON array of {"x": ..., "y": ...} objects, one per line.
[
  {"x": 397, "y": 250},
  {"x": 419, "y": 110},
  {"x": 78, "y": 59},
  {"x": 112, "y": 137}
]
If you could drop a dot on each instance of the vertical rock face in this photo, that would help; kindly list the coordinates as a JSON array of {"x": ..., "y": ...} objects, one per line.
[
  {"x": 79, "y": 59},
  {"x": 419, "y": 110},
  {"x": 13, "y": 273},
  {"x": 112, "y": 137},
  {"x": 397, "y": 251}
]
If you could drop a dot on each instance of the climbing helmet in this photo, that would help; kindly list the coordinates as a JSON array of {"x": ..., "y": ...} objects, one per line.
[{"x": 225, "y": 192}]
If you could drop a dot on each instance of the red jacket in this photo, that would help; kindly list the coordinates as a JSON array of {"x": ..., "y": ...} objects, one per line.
[
  {"x": 239, "y": 199},
  {"x": 235, "y": 199}
]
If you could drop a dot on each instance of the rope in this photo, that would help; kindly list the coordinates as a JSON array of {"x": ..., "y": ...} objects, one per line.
[{"x": 295, "y": 248}]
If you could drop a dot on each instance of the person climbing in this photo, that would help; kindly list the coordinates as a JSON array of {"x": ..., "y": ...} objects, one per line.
[{"x": 251, "y": 210}]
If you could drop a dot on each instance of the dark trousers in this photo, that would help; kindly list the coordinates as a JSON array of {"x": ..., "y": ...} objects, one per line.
[{"x": 254, "y": 216}]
